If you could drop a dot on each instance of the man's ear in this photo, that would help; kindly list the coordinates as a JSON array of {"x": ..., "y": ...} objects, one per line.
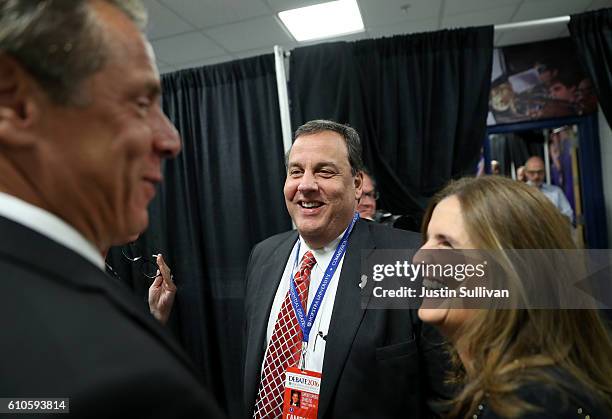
[
  {"x": 18, "y": 99},
  {"x": 358, "y": 185}
]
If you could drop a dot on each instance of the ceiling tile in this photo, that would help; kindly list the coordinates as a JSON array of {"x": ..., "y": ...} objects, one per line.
[
  {"x": 162, "y": 66},
  {"x": 282, "y": 5},
  {"x": 166, "y": 69},
  {"x": 600, "y": 4},
  {"x": 160, "y": 62},
  {"x": 254, "y": 52},
  {"x": 564, "y": 32},
  {"x": 549, "y": 8},
  {"x": 207, "y": 13},
  {"x": 185, "y": 48},
  {"x": 208, "y": 61},
  {"x": 243, "y": 28},
  {"x": 486, "y": 17},
  {"x": 252, "y": 34},
  {"x": 533, "y": 34},
  {"x": 163, "y": 22},
  {"x": 389, "y": 12},
  {"x": 498, "y": 38},
  {"x": 413, "y": 26},
  {"x": 457, "y": 7},
  {"x": 346, "y": 38}
]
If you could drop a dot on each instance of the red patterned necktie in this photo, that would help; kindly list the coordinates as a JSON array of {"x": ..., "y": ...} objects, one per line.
[{"x": 284, "y": 348}]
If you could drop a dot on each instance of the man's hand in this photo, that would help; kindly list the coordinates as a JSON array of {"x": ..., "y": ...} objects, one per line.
[{"x": 162, "y": 292}]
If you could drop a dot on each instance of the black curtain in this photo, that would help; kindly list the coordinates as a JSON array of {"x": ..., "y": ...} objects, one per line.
[
  {"x": 220, "y": 196},
  {"x": 592, "y": 35},
  {"x": 419, "y": 103}
]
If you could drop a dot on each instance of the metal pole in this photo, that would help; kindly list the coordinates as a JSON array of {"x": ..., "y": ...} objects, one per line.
[
  {"x": 531, "y": 23},
  {"x": 283, "y": 101},
  {"x": 283, "y": 96}
]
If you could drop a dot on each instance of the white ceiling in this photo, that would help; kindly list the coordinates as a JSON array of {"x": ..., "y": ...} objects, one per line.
[{"x": 192, "y": 33}]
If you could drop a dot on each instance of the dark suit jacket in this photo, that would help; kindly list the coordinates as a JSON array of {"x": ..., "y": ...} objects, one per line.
[
  {"x": 376, "y": 364},
  {"x": 68, "y": 330}
]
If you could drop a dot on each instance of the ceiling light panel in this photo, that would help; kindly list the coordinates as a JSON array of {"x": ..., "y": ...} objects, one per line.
[{"x": 324, "y": 20}]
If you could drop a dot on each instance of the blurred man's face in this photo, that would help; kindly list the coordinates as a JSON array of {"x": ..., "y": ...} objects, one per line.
[
  {"x": 98, "y": 165},
  {"x": 367, "y": 203},
  {"x": 535, "y": 172},
  {"x": 560, "y": 91},
  {"x": 320, "y": 191},
  {"x": 495, "y": 168}
]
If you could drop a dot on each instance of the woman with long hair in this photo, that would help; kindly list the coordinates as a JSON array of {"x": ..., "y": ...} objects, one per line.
[{"x": 516, "y": 363}]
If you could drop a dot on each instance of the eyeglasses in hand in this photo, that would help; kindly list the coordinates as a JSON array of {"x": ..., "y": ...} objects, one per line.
[{"x": 148, "y": 266}]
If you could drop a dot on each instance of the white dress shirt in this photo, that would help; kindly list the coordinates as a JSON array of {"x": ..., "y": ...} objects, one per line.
[
  {"x": 556, "y": 195},
  {"x": 316, "y": 344},
  {"x": 49, "y": 225}
]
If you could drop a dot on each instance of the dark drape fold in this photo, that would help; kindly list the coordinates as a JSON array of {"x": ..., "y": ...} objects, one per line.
[
  {"x": 419, "y": 103},
  {"x": 220, "y": 196},
  {"x": 591, "y": 182},
  {"x": 592, "y": 35}
]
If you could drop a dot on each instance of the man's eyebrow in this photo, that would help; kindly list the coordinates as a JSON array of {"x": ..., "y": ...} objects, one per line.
[
  {"x": 326, "y": 163},
  {"x": 317, "y": 166},
  {"x": 153, "y": 89}
]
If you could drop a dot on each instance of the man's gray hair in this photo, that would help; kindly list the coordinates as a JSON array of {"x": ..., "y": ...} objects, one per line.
[
  {"x": 350, "y": 136},
  {"x": 59, "y": 42}
]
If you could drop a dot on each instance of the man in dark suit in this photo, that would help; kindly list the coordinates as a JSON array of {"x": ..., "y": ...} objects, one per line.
[
  {"x": 374, "y": 363},
  {"x": 82, "y": 138}
]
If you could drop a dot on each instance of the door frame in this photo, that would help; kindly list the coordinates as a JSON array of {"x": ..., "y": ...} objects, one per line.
[{"x": 591, "y": 181}]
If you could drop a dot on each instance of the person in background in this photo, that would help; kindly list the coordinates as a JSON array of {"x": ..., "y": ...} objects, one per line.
[
  {"x": 83, "y": 138},
  {"x": 536, "y": 174},
  {"x": 367, "y": 204},
  {"x": 520, "y": 174},
  {"x": 495, "y": 168},
  {"x": 516, "y": 363},
  {"x": 369, "y": 195}
]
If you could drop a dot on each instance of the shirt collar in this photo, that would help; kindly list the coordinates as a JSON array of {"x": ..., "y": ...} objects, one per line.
[
  {"x": 323, "y": 255},
  {"x": 49, "y": 225}
]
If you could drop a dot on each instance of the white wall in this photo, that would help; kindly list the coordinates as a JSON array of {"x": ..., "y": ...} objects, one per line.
[{"x": 605, "y": 139}]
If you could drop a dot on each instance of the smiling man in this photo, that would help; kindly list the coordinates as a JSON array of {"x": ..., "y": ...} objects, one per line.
[
  {"x": 378, "y": 353},
  {"x": 82, "y": 140}
]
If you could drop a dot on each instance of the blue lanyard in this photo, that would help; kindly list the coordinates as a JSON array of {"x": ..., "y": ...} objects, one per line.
[{"x": 307, "y": 322}]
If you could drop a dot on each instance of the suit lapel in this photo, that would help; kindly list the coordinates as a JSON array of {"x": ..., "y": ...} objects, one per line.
[
  {"x": 269, "y": 276},
  {"x": 347, "y": 314},
  {"x": 59, "y": 264}
]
